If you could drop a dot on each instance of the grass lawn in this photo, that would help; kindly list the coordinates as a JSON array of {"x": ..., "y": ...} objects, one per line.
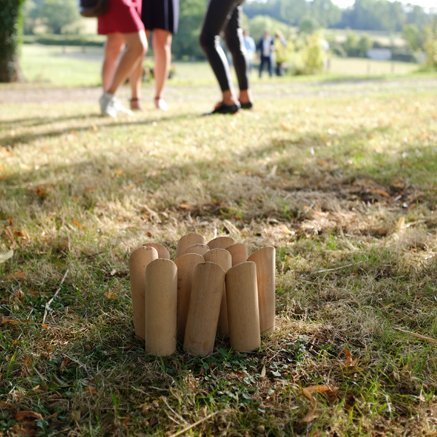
[
  {"x": 76, "y": 66},
  {"x": 340, "y": 178}
]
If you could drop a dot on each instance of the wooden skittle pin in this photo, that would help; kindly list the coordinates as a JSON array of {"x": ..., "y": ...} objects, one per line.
[
  {"x": 243, "y": 312},
  {"x": 223, "y": 258},
  {"x": 161, "y": 307},
  {"x": 185, "y": 264},
  {"x": 221, "y": 243},
  {"x": 198, "y": 248},
  {"x": 265, "y": 271},
  {"x": 162, "y": 250},
  {"x": 239, "y": 253},
  {"x": 187, "y": 241},
  {"x": 204, "y": 310},
  {"x": 138, "y": 262}
]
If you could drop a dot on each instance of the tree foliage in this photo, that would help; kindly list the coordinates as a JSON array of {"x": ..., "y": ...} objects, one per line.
[
  {"x": 186, "y": 44},
  {"x": 363, "y": 15},
  {"x": 56, "y": 15}
]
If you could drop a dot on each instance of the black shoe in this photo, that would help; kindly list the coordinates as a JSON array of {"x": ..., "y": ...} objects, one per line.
[
  {"x": 223, "y": 108},
  {"x": 246, "y": 105}
]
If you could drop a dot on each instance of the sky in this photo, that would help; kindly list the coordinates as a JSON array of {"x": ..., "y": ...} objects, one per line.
[{"x": 426, "y": 4}]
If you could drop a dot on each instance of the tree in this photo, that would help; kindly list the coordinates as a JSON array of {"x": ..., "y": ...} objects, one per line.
[
  {"x": 431, "y": 45},
  {"x": 186, "y": 43},
  {"x": 10, "y": 32},
  {"x": 308, "y": 25},
  {"x": 58, "y": 14}
]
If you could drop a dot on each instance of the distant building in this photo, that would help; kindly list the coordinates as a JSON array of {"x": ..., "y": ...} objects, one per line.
[{"x": 379, "y": 54}]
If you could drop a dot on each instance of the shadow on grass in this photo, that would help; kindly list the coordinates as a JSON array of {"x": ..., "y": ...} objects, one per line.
[{"x": 11, "y": 141}]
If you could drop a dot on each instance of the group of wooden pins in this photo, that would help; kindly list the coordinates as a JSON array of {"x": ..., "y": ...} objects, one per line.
[{"x": 210, "y": 287}]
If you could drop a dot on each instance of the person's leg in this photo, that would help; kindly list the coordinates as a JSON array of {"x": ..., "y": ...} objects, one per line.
[
  {"x": 113, "y": 48},
  {"x": 135, "y": 80},
  {"x": 269, "y": 65},
  {"x": 215, "y": 20},
  {"x": 261, "y": 66},
  {"x": 162, "y": 54},
  {"x": 136, "y": 46},
  {"x": 234, "y": 40}
]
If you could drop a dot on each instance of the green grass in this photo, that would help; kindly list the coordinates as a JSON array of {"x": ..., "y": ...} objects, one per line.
[
  {"x": 72, "y": 66},
  {"x": 340, "y": 178}
]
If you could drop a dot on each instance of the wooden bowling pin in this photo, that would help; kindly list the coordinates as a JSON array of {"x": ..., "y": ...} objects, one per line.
[
  {"x": 204, "y": 310},
  {"x": 198, "y": 248},
  {"x": 239, "y": 253},
  {"x": 138, "y": 262},
  {"x": 162, "y": 250},
  {"x": 221, "y": 243},
  {"x": 224, "y": 259},
  {"x": 265, "y": 271},
  {"x": 187, "y": 241},
  {"x": 243, "y": 312},
  {"x": 185, "y": 264},
  {"x": 161, "y": 307}
]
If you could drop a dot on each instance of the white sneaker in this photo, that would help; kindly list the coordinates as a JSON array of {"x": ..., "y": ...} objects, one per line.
[
  {"x": 160, "y": 104},
  {"x": 111, "y": 107}
]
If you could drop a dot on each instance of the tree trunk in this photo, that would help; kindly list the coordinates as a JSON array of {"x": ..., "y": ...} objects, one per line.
[{"x": 10, "y": 34}]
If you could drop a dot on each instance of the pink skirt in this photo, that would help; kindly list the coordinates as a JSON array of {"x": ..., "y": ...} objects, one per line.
[{"x": 123, "y": 16}]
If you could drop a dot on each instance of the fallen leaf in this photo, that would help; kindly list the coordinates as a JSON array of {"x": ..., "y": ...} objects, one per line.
[
  {"x": 379, "y": 192},
  {"x": 10, "y": 322},
  {"x": 308, "y": 392},
  {"x": 41, "y": 192},
  {"x": 21, "y": 234},
  {"x": 263, "y": 372},
  {"x": 328, "y": 389},
  {"x": 348, "y": 362},
  {"x": 110, "y": 295},
  {"x": 186, "y": 206},
  {"x": 26, "y": 415},
  {"x": 77, "y": 223},
  {"x": 4, "y": 256},
  {"x": 16, "y": 276}
]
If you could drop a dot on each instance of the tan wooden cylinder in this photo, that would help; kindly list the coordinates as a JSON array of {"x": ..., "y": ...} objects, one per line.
[
  {"x": 185, "y": 264},
  {"x": 162, "y": 250},
  {"x": 221, "y": 243},
  {"x": 138, "y": 262},
  {"x": 161, "y": 307},
  {"x": 198, "y": 248},
  {"x": 204, "y": 310},
  {"x": 224, "y": 259},
  {"x": 265, "y": 271},
  {"x": 239, "y": 252},
  {"x": 243, "y": 312},
  {"x": 187, "y": 241}
]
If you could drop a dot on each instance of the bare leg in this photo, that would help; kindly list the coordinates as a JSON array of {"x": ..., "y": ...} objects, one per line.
[
  {"x": 136, "y": 46},
  {"x": 113, "y": 48},
  {"x": 135, "y": 80},
  {"x": 162, "y": 53}
]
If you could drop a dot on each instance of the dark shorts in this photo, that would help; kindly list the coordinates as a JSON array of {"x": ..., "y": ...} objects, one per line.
[{"x": 161, "y": 14}]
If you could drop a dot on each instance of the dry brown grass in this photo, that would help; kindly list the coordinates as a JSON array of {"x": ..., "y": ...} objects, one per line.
[{"x": 341, "y": 182}]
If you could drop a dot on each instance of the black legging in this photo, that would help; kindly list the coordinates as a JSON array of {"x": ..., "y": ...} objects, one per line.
[{"x": 224, "y": 15}]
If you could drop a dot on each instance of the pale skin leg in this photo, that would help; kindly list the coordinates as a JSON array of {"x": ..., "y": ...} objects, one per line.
[
  {"x": 136, "y": 46},
  {"x": 113, "y": 47},
  {"x": 162, "y": 53},
  {"x": 135, "y": 84}
]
